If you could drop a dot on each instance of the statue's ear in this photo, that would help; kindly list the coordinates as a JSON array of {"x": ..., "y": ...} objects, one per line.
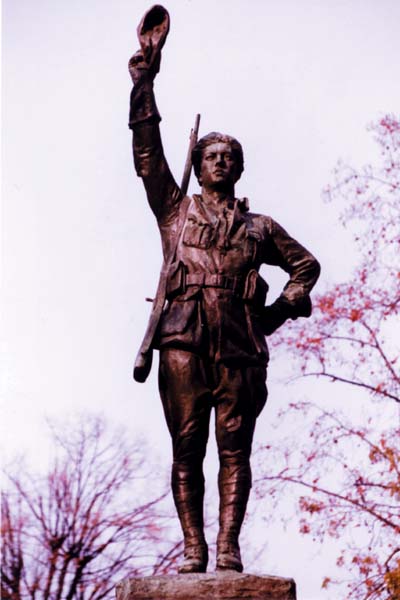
[{"x": 152, "y": 32}]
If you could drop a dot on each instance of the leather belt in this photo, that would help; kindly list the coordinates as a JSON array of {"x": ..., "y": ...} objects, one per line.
[{"x": 215, "y": 280}]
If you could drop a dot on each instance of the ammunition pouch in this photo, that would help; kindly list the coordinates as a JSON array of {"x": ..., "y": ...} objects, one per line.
[{"x": 255, "y": 289}]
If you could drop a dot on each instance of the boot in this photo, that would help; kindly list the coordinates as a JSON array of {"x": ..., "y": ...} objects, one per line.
[
  {"x": 228, "y": 555},
  {"x": 195, "y": 557},
  {"x": 188, "y": 492},
  {"x": 234, "y": 488}
]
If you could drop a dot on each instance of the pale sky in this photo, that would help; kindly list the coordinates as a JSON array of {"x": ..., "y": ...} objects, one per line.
[{"x": 296, "y": 82}]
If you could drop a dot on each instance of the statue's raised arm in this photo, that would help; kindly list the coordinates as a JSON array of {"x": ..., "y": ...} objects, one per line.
[{"x": 163, "y": 193}]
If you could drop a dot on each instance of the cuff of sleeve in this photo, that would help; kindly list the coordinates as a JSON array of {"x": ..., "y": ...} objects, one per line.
[
  {"x": 301, "y": 307},
  {"x": 143, "y": 105}
]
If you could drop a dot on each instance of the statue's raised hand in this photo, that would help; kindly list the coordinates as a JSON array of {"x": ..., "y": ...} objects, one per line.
[
  {"x": 139, "y": 68},
  {"x": 152, "y": 32}
]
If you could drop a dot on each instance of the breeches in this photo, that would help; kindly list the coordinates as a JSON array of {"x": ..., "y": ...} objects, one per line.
[{"x": 190, "y": 386}]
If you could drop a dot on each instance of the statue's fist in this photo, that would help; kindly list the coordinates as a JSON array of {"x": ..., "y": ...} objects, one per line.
[
  {"x": 273, "y": 316},
  {"x": 138, "y": 67}
]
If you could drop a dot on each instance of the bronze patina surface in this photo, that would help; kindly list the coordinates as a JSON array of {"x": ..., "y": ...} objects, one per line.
[{"x": 209, "y": 318}]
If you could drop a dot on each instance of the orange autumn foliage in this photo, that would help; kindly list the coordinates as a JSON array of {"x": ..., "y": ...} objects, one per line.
[{"x": 348, "y": 469}]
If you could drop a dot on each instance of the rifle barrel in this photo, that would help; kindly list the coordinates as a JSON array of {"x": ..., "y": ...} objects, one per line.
[{"x": 188, "y": 164}]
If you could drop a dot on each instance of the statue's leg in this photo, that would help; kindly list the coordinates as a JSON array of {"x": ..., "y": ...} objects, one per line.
[
  {"x": 187, "y": 405},
  {"x": 240, "y": 396}
]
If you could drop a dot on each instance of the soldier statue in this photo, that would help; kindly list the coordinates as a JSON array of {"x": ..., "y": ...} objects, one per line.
[{"x": 209, "y": 318}]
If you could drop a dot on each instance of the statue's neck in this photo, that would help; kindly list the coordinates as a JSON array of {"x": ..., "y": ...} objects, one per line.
[{"x": 217, "y": 196}]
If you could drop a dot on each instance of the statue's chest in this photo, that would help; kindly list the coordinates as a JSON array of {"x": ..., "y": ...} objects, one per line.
[{"x": 220, "y": 240}]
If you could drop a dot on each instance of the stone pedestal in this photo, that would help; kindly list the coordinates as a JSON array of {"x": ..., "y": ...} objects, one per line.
[{"x": 224, "y": 585}]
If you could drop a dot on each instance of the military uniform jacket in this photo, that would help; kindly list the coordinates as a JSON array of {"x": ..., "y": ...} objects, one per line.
[{"x": 213, "y": 253}]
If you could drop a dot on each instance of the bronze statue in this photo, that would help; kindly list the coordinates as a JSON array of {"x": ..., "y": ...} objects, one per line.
[{"x": 209, "y": 318}]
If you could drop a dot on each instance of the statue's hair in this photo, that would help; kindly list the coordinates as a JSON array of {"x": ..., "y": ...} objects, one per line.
[{"x": 213, "y": 138}]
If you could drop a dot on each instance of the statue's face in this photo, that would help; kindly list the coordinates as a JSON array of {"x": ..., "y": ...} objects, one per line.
[{"x": 218, "y": 167}]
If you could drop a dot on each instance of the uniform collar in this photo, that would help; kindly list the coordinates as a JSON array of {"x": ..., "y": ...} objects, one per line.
[{"x": 241, "y": 203}]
